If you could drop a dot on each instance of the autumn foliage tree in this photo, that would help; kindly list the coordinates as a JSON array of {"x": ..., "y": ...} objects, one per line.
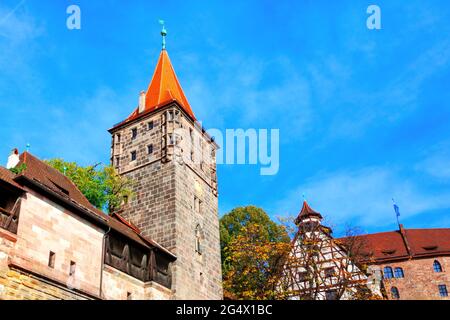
[
  {"x": 252, "y": 245},
  {"x": 101, "y": 185}
]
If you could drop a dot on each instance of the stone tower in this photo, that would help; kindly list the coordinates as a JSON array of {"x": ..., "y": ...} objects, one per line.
[{"x": 171, "y": 158}]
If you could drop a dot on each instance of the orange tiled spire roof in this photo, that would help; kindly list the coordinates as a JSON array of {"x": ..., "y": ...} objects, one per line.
[{"x": 165, "y": 87}]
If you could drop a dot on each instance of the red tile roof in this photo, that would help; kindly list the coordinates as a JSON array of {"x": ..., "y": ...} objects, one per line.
[
  {"x": 53, "y": 179},
  {"x": 386, "y": 246},
  {"x": 306, "y": 212},
  {"x": 45, "y": 175},
  {"x": 7, "y": 176},
  {"x": 125, "y": 222}
]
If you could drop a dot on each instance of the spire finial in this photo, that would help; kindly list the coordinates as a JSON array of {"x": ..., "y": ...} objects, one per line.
[
  {"x": 163, "y": 34},
  {"x": 28, "y": 147},
  {"x": 303, "y": 196}
]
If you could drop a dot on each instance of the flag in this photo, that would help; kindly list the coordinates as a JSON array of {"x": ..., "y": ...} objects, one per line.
[{"x": 396, "y": 209}]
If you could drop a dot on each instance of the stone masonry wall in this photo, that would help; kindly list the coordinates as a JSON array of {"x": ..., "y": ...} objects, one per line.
[
  {"x": 44, "y": 227},
  {"x": 420, "y": 282},
  {"x": 166, "y": 183},
  {"x": 120, "y": 286},
  {"x": 16, "y": 285}
]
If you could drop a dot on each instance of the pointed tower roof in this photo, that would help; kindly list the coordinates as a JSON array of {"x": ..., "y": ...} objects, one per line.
[
  {"x": 306, "y": 212},
  {"x": 165, "y": 87}
]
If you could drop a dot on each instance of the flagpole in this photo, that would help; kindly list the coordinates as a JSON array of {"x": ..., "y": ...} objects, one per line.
[{"x": 397, "y": 212}]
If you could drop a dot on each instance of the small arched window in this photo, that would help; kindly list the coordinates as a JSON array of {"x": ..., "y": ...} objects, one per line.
[
  {"x": 437, "y": 266},
  {"x": 398, "y": 272},
  {"x": 394, "y": 293},
  {"x": 388, "y": 274},
  {"x": 198, "y": 239}
]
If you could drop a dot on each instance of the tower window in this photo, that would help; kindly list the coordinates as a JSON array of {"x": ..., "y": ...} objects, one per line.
[
  {"x": 72, "y": 268},
  {"x": 150, "y": 125},
  {"x": 171, "y": 140},
  {"x": 133, "y": 133},
  {"x": 177, "y": 116},
  {"x": 394, "y": 293},
  {"x": 388, "y": 274},
  {"x": 198, "y": 239},
  {"x": 118, "y": 138},
  {"x": 117, "y": 161},
  {"x": 398, "y": 273},
  {"x": 197, "y": 205},
  {"x": 133, "y": 155},
  {"x": 437, "y": 266},
  {"x": 150, "y": 149},
  {"x": 51, "y": 259},
  {"x": 443, "y": 290}
]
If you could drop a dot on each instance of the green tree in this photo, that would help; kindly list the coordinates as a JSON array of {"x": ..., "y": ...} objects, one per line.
[
  {"x": 254, "y": 265},
  {"x": 251, "y": 228},
  {"x": 102, "y": 185}
]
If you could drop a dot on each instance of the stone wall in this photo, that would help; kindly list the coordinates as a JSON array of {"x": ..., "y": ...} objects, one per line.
[
  {"x": 17, "y": 285},
  {"x": 44, "y": 227},
  {"x": 167, "y": 184},
  {"x": 120, "y": 286},
  {"x": 420, "y": 282}
]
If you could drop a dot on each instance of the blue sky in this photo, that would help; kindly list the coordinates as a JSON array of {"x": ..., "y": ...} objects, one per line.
[{"x": 363, "y": 114}]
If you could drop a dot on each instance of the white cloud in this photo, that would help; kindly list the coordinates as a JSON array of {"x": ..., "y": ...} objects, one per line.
[
  {"x": 436, "y": 162},
  {"x": 363, "y": 197},
  {"x": 80, "y": 140},
  {"x": 249, "y": 92},
  {"x": 19, "y": 32}
]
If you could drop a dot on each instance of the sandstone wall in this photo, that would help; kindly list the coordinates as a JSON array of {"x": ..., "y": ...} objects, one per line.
[
  {"x": 120, "y": 286},
  {"x": 420, "y": 281},
  {"x": 44, "y": 227}
]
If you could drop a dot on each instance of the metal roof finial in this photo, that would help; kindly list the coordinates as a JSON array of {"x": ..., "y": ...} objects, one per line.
[{"x": 163, "y": 34}]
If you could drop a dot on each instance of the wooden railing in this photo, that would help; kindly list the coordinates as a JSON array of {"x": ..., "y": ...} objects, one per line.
[
  {"x": 144, "y": 267},
  {"x": 9, "y": 220}
]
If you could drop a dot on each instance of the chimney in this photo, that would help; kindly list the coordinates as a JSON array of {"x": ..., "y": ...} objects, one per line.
[
  {"x": 141, "y": 101},
  {"x": 13, "y": 159}
]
